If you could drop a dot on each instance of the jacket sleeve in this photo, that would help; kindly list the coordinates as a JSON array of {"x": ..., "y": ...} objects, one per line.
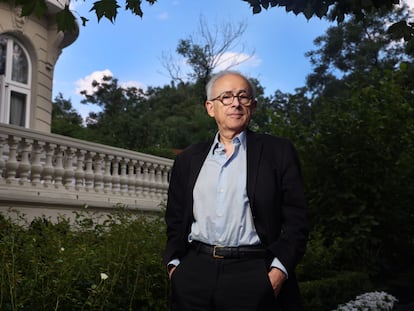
[{"x": 279, "y": 204}]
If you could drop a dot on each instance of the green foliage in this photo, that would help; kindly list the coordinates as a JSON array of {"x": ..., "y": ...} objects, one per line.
[
  {"x": 108, "y": 9},
  {"x": 110, "y": 262},
  {"x": 333, "y": 10},
  {"x": 66, "y": 21},
  {"x": 171, "y": 117},
  {"x": 325, "y": 294},
  {"x": 65, "y": 120},
  {"x": 353, "y": 126}
]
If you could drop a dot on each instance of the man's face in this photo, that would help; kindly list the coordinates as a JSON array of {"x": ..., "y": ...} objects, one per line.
[{"x": 235, "y": 117}]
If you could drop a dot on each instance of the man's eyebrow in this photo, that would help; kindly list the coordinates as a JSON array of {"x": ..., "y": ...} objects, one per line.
[{"x": 243, "y": 90}]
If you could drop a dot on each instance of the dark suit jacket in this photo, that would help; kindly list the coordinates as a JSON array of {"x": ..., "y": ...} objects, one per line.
[{"x": 276, "y": 195}]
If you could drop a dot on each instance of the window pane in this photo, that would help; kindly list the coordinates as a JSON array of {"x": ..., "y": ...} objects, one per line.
[
  {"x": 3, "y": 51},
  {"x": 17, "y": 109},
  {"x": 20, "y": 65}
]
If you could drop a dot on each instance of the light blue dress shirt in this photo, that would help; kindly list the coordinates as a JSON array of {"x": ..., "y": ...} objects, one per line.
[{"x": 221, "y": 206}]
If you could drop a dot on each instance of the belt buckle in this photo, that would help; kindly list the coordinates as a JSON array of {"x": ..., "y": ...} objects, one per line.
[{"x": 214, "y": 252}]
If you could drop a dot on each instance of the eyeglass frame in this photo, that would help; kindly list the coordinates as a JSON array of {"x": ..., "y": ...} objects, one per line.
[{"x": 220, "y": 98}]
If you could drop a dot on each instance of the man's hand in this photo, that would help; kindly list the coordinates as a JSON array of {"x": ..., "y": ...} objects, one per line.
[
  {"x": 171, "y": 271},
  {"x": 277, "y": 278}
]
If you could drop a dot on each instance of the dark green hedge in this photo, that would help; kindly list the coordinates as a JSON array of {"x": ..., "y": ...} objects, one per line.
[{"x": 328, "y": 293}]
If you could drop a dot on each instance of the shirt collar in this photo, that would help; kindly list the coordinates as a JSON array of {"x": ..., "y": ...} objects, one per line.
[{"x": 240, "y": 138}]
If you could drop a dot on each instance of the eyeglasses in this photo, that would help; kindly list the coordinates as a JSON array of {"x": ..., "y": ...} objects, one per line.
[{"x": 227, "y": 98}]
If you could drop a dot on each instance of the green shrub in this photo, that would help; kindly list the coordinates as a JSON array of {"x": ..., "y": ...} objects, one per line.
[
  {"x": 110, "y": 262},
  {"x": 113, "y": 262},
  {"x": 326, "y": 294}
]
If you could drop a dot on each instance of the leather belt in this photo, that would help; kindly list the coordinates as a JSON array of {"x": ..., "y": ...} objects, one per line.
[{"x": 223, "y": 252}]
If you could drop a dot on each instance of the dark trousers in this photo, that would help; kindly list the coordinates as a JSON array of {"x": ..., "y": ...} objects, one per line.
[{"x": 203, "y": 283}]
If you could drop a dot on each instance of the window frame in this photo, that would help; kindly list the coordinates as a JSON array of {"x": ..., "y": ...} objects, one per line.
[{"x": 8, "y": 86}]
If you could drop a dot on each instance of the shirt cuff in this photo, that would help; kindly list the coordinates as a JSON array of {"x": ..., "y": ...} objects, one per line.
[
  {"x": 174, "y": 262},
  {"x": 278, "y": 265}
]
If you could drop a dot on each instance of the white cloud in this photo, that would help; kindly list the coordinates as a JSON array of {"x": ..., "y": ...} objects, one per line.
[
  {"x": 410, "y": 3},
  {"x": 128, "y": 84},
  {"x": 237, "y": 60},
  {"x": 86, "y": 82}
]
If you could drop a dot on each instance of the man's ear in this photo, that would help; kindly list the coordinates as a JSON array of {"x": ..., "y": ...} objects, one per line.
[{"x": 210, "y": 108}]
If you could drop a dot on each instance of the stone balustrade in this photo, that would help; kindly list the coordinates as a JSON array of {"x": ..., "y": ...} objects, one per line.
[{"x": 40, "y": 170}]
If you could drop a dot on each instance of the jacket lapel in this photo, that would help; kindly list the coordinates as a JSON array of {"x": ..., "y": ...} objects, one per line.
[{"x": 196, "y": 163}]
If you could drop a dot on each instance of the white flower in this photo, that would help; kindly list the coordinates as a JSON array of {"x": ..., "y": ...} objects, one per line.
[
  {"x": 62, "y": 249},
  {"x": 374, "y": 301},
  {"x": 104, "y": 276}
]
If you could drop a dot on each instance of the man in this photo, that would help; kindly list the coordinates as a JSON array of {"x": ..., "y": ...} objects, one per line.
[{"x": 236, "y": 212}]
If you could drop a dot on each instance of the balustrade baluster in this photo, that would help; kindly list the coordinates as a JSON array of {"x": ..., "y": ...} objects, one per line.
[
  {"x": 158, "y": 181},
  {"x": 138, "y": 181},
  {"x": 68, "y": 169},
  {"x": 145, "y": 180},
  {"x": 115, "y": 176},
  {"x": 48, "y": 169},
  {"x": 24, "y": 163},
  {"x": 152, "y": 183},
  {"x": 88, "y": 172},
  {"x": 2, "y": 162},
  {"x": 59, "y": 169},
  {"x": 166, "y": 180},
  {"x": 107, "y": 178},
  {"x": 98, "y": 176},
  {"x": 11, "y": 163},
  {"x": 124, "y": 178},
  {"x": 131, "y": 177},
  {"x": 79, "y": 173},
  {"x": 36, "y": 169}
]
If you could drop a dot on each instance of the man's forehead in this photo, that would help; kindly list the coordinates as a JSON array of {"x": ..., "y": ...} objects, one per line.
[{"x": 233, "y": 81}]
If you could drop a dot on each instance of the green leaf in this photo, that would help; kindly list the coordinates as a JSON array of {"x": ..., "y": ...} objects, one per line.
[
  {"x": 265, "y": 4},
  {"x": 105, "y": 8},
  {"x": 308, "y": 12},
  {"x": 65, "y": 20},
  {"x": 400, "y": 30},
  {"x": 84, "y": 20},
  {"x": 257, "y": 9},
  {"x": 134, "y": 6}
]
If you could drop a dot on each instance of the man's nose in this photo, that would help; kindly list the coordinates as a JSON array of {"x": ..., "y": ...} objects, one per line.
[{"x": 235, "y": 102}]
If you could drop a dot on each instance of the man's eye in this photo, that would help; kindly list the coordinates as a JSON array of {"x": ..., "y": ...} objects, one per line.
[{"x": 227, "y": 97}]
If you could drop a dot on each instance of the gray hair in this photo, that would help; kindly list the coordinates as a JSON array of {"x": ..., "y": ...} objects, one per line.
[{"x": 215, "y": 77}]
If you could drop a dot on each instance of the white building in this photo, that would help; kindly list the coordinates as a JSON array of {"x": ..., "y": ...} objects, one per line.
[{"x": 43, "y": 173}]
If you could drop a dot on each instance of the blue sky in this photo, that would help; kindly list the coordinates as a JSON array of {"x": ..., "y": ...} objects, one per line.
[{"x": 131, "y": 49}]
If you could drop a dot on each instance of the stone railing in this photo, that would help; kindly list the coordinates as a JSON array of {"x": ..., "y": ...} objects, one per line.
[{"x": 40, "y": 170}]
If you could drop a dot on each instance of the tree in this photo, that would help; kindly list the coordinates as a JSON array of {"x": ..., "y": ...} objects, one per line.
[
  {"x": 207, "y": 50},
  {"x": 65, "y": 120},
  {"x": 353, "y": 125},
  {"x": 356, "y": 46},
  {"x": 116, "y": 124},
  {"x": 159, "y": 119},
  {"x": 332, "y": 9}
]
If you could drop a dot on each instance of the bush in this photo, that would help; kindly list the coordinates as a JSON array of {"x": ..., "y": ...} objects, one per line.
[
  {"x": 108, "y": 262},
  {"x": 325, "y": 294}
]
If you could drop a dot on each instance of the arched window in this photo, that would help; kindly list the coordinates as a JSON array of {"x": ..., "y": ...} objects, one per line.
[{"x": 15, "y": 73}]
